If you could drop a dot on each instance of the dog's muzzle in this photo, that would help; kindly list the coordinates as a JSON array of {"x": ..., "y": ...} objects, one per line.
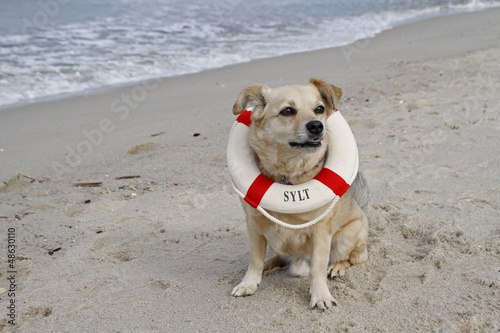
[{"x": 315, "y": 133}]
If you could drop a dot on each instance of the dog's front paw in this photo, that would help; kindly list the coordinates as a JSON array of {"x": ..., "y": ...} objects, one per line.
[
  {"x": 244, "y": 289},
  {"x": 322, "y": 302}
]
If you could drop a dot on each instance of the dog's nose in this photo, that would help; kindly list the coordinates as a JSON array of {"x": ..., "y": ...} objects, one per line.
[{"x": 315, "y": 127}]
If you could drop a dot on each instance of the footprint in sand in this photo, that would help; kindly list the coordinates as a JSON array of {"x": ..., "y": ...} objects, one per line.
[
  {"x": 144, "y": 148},
  {"x": 19, "y": 181}
]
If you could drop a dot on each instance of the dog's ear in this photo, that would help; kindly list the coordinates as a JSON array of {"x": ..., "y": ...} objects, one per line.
[
  {"x": 253, "y": 96},
  {"x": 330, "y": 94},
  {"x": 337, "y": 94}
]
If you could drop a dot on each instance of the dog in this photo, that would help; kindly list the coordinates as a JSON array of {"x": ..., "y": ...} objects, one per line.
[{"x": 290, "y": 141}]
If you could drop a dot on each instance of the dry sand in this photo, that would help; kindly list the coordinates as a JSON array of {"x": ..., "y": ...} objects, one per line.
[{"x": 161, "y": 253}]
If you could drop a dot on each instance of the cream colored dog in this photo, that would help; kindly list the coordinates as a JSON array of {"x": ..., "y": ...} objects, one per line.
[{"x": 289, "y": 139}]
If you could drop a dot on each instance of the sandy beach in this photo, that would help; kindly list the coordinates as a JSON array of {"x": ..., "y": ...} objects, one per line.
[{"x": 160, "y": 240}]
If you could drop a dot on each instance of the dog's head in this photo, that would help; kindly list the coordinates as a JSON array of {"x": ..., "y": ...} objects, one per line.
[{"x": 288, "y": 131}]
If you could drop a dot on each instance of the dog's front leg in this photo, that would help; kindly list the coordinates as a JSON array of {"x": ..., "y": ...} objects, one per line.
[
  {"x": 253, "y": 276},
  {"x": 320, "y": 295}
]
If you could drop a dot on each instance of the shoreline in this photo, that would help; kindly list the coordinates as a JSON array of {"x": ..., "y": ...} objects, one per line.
[
  {"x": 113, "y": 87},
  {"x": 160, "y": 241}
]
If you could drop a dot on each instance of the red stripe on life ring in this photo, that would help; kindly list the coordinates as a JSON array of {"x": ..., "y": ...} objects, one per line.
[
  {"x": 333, "y": 181},
  {"x": 257, "y": 190},
  {"x": 244, "y": 118}
]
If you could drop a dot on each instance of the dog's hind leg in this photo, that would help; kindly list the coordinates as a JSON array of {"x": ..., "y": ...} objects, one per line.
[
  {"x": 348, "y": 247},
  {"x": 357, "y": 256},
  {"x": 337, "y": 270}
]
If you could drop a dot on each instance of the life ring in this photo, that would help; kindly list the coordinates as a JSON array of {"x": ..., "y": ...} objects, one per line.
[{"x": 338, "y": 173}]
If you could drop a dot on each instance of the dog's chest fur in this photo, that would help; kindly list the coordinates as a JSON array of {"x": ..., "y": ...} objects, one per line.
[
  {"x": 284, "y": 241},
  {"x": 289, "y": 242}
]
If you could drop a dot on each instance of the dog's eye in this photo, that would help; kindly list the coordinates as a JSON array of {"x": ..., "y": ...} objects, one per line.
[
  {"x": 319, "y": 110},
  {"x": 288, "y": 111}
]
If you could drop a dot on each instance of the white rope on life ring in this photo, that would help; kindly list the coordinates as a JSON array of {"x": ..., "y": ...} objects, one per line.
[{"x": 262, "y": 193}]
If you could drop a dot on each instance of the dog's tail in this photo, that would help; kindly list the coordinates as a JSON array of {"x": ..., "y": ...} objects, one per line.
[{"x": 360, "y": 191}]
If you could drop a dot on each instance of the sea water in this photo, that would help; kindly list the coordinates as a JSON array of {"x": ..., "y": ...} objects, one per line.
[{"x": 55, "y": 47}]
